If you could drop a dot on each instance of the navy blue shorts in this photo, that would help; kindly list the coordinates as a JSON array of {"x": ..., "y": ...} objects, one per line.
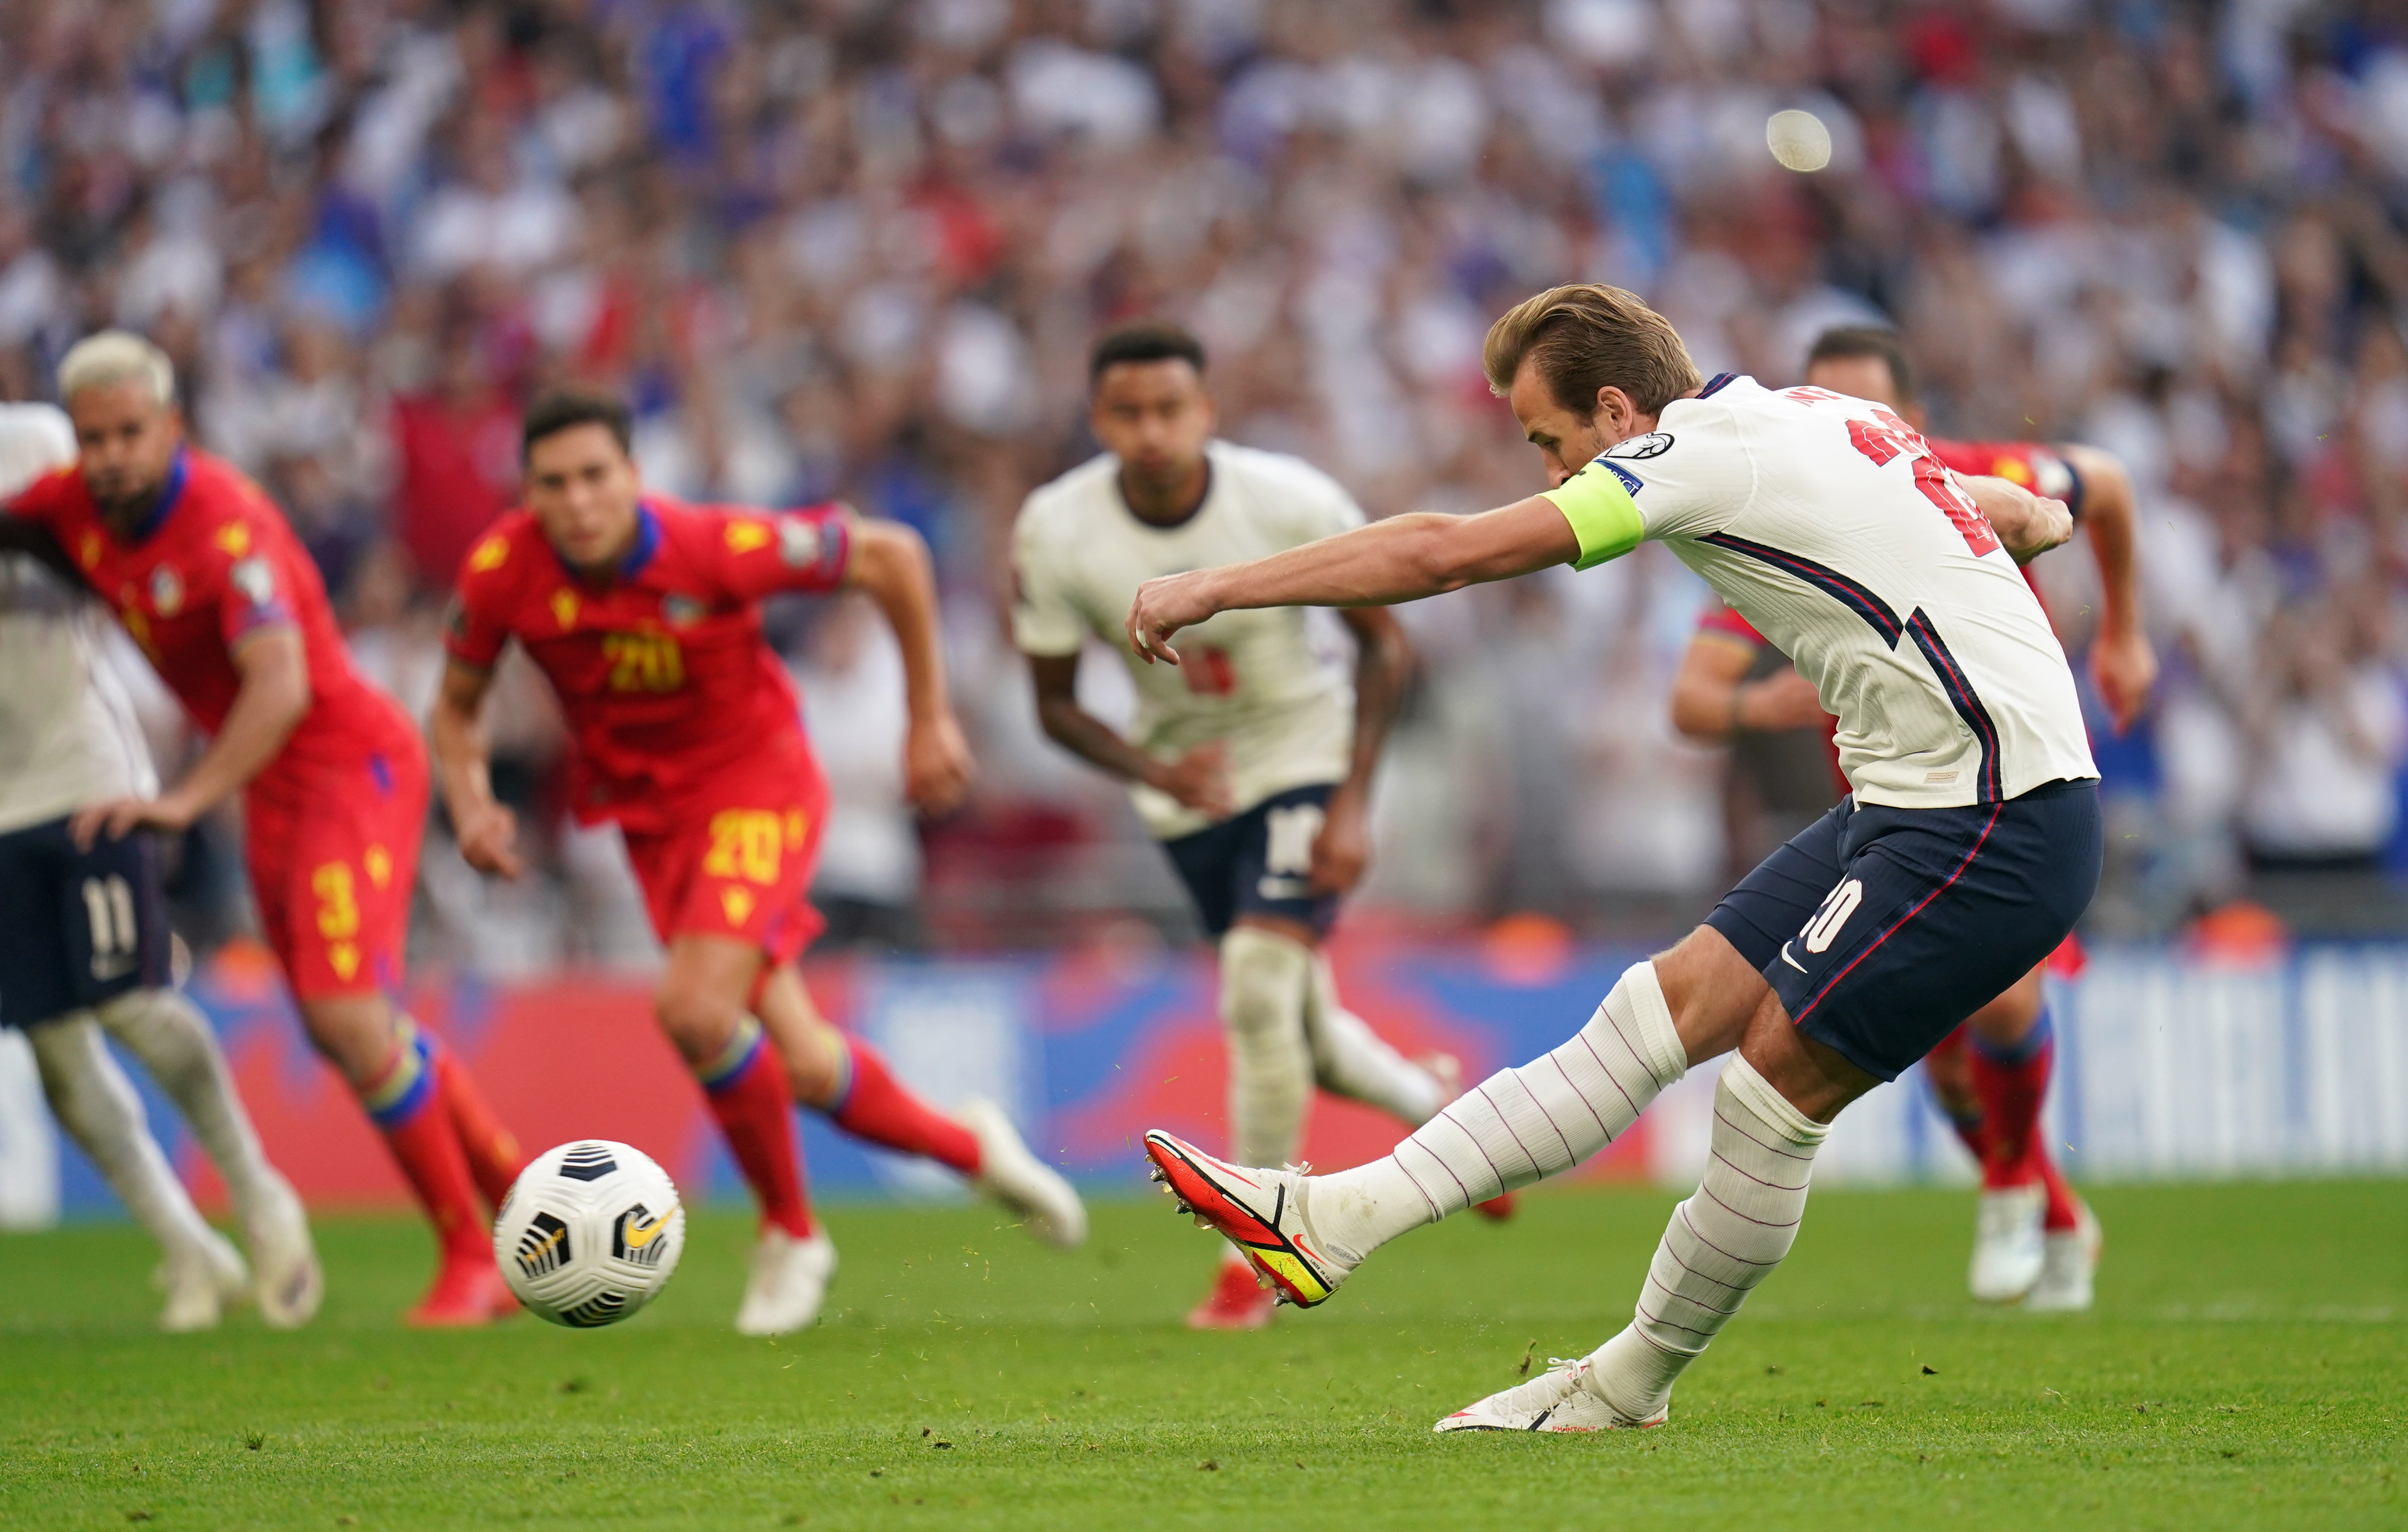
[
  {"x": 1257, "y": 863},
  {"x": 76, "y": 928},
  {"x": 1882, "y": 928}
]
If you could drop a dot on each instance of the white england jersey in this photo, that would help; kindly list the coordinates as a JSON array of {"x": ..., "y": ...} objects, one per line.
[
  {"x": 1250, "y": 679},
  {"x": 67, "y": 731},
  {"x": 1827, "y": 523}
]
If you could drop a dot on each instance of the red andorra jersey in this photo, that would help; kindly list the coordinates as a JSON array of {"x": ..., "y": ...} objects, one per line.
[
  {"x": 2037, "y": 467},
  {"x": 213, "y": 563},
  {"x": 669, "y": 688}
]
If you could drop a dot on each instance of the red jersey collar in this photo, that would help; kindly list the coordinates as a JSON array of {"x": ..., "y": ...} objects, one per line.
[
  {"x": 170, "y": 494},
  {"x": 647, "y": 544}
]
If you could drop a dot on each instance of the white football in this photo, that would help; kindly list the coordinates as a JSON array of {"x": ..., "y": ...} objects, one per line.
[{"x": 590, "y": 1234}]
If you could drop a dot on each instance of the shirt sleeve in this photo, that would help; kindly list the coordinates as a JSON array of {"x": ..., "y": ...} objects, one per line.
[
  {"x": 1044, "y": 620},
  {"x": 1314, "y": 506},
  {"x": 762, "y": 553},
  {"x": 475, "y": 625},
  {"x": 258, "y": 593},
  {"x": 1685, "y": 479}
]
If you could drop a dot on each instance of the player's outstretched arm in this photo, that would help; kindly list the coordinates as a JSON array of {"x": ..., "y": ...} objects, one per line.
[
  {"x": 890, "y": 564},
  {"x": 1713, "y": 701},
  {"x": 2122, "y": 662},
  {"x": 486, "y": 828},
  {"x": 1403, "y": 558},
  {"x": 271, "y": 700},
  {"x": 2028, "y": 524}
]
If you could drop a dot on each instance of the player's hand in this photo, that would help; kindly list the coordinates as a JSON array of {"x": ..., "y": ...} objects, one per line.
[
  {"x": 1163, "y": 607},
  {"x": 121, "y": 817},
  {"x": 1199, "y": 780},
  {"x": 937, "y": 765},
  {"x": 2125, "y": 666},
  {"x": 1783, "y": 700},
  {"x": 488, "y": 835},
  {"x": 1343, "y": 847}
]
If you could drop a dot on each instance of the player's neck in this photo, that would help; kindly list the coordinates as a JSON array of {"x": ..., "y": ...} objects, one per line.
[{"x": 1168, "y": 505}]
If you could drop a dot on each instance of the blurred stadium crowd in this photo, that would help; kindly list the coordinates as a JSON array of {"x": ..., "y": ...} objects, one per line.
[{"x": 858, "y": 249}]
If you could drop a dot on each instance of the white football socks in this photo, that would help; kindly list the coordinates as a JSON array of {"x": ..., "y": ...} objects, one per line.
[
  {"x": 1349, "y": 1059},
  {"x": 1726, "y": 1238},
  {"x": 1515, "y": 1127},
  {"x": 166, "y": 1032},
  {"x": 1264, "y": 982},
  {"x": 98, "y": 1106}
]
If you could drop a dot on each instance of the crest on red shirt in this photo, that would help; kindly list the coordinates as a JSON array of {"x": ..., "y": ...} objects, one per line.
[
  {"x": 167, "y": 592},
  {"x": 681, "y": 609}
]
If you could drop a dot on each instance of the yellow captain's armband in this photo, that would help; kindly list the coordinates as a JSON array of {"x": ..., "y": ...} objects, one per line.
[{"x": 1603, "y": 516}]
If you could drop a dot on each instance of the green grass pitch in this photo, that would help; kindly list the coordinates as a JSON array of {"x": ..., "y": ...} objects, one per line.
[{"x": 2247, "y": 1366}]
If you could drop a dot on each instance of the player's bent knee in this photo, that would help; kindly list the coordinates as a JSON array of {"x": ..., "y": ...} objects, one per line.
[
  {"x": 1812, "y": 1076},
  {"x": 1710, "y": 990},
  {"x": 352, "y": 1032},
  {"x": 698, "y": 1023},
  {"x": 2009, "y": 1018},
  {"x": 1262, "y": 980}
]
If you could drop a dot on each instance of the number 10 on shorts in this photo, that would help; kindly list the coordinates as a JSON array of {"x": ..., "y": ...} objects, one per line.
[{"x": 1836, "y": 906}]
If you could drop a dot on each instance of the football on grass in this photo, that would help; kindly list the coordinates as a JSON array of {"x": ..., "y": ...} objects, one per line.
[{"x": 590, "y": 1233}]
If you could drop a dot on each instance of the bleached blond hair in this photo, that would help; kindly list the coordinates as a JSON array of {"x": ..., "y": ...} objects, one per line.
[{"x": 114, "y": 357}]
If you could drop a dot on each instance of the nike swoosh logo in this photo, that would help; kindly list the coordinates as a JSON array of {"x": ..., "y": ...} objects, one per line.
[{"x": 1791, "y": 961}]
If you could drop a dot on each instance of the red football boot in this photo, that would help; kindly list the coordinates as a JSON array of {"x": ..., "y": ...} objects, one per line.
[
  {"x": 1239, "y": 1301},
  {"x": 1496, "y": 1210},
  {"x": 466, "y": 1293}
]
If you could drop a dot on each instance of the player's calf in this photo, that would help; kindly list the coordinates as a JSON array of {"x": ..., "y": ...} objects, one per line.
[{"x": 1725, "y": 1239}]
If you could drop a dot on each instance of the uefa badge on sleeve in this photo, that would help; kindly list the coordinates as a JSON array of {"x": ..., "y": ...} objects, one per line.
[{"x": 799, "y": 542}]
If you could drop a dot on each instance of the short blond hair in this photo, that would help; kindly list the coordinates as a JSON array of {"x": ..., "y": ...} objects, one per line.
[
  {"x": 112, "y": 357},
  {"x": 1585, "y": 336}
]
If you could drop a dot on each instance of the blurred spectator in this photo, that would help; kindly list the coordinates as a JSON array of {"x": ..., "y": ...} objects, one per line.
[{"x": 851, "y": 675}]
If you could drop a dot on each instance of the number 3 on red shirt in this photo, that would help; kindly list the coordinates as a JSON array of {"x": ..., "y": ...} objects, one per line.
[{"x": 1892, "y": 437}]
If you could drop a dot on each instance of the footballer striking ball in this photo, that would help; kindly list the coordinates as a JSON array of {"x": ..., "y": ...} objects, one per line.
[{"x": 590, "y": 1234}]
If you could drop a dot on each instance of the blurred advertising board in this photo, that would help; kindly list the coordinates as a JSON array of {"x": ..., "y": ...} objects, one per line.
[{"x": 2167, "y": 1067}]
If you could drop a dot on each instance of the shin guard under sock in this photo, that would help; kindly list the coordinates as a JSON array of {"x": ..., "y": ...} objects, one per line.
[
  {"x": 750, "y": 1099},
  {"x": 405, "y": 1103}
]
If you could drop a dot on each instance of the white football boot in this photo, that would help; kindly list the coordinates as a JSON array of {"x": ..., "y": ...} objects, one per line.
[
  {"x": 290, "y": 1283},
  {"x": 790, "y": 1279},
  {"x": 1265, "y": 1213},
  {"x": 2068, "y": 1260},
  {"x": 2007, "y": 1253},
  {"x": 1558, "y": 1399},
  {"x": 201, "y": 1282},
  {"x": 1009, "y": 1174}
]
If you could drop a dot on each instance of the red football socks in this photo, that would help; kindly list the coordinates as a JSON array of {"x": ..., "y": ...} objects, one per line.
[
  {"x": 747, "y": 1090},
  {"x": 1963, "y": 1118},
  {"x": 872, "y": 1104},
  {"x": 493, "y": 1149},
  {"x": 2012, "y": 1083},
  {"x": 406, "y": 1105}
]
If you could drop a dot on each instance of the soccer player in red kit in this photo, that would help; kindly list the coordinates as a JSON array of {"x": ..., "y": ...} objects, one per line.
[
  {"x": 209, "y": 578},
  {"x": 645, "y": 614},
  {"x": 2036, "y": 1241}
]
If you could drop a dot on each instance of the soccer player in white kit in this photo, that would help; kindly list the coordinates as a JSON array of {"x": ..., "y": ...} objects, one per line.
[
  {"x": 84, "y": 943},
  {"x": 1968, "y": 845},
  {"x": 1253, "y": 761}
]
